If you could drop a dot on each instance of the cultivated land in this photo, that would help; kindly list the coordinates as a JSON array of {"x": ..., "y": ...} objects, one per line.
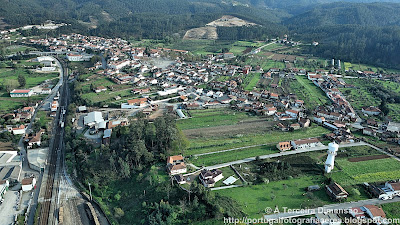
[
  {"x": 232, "y": 129},
  {"x": 311, "y": 94},
  {"x": 10, "y": 75},
  {"x": 378, "y": 170},
  {"x": 255, "y": 199}
]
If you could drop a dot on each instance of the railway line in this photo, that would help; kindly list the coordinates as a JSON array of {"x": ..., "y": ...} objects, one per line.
[{"x": 54, "y": 163}]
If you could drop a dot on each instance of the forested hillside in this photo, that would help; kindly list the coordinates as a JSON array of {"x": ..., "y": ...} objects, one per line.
[{"x": 368, "y": 33}]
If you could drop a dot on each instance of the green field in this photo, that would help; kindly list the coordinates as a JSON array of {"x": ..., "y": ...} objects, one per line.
[
  {"x": 285, "y": 193},
  {"x": 9, "y": 76},
  {"x": 224, "y": 157},
  {"x": 392, "y": 210},
  {"x": 252, "y": 82},
  {"x": 203, "y": 145},
  {"x": 366, "y": 171},
  {"x": 307, "y": 91},
  {"x": 212, "y": 118}
]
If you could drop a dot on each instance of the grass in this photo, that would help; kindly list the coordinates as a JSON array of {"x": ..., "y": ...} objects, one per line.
[
  {"x": 255, "y": 199},
  {"x": 224, "y": 157},
  {"x": 253, "y": 82},
  {"x": 211, "y": 118},
  {"x": 307, "y": 91},
  {"x": 203, "y": 145},
  {"x": 392, "y": 210},
  {"x": 366, "y": 171},
  {"x": 227, "y": 172}
]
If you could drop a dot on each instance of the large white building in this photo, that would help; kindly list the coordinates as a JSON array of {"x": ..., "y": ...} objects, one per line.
[
  {"x": 330, "y": 161},
  {"x": 18, "y": 93},
  {"x": 93, "y": 118}
]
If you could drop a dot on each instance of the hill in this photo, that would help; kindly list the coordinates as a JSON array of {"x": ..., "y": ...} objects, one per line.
[{"x": 368, "y": 32}]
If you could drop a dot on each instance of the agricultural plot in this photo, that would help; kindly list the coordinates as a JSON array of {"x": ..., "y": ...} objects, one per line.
[
  {"x": 224, "y": 140},
  {"x": 366, "y": 171},
  {"x": 227, "y": 172},
  {"x": 359, "y": 97},
  {"x": 307, "y": 91},
  {"x": 224, "y": 157},
  {"x": 251, "y": 81},
  {"x": 284, "y": 193},
  {"x": 212, "y": 118}
]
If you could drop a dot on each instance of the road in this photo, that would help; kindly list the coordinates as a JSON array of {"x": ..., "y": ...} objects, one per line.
[
  {"x": 21, "y": 146},
  {"x": 283, "y": 154},
  {"x": 346, "y": 205},
  {"x": 252, "y": 52}
]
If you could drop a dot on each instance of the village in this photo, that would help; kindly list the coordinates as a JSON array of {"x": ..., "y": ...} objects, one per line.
[{"x": 120, "y": 81}]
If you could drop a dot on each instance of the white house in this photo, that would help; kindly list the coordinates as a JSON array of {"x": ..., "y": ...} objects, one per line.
[
  {"x": 176, "y": 165},
  {"x": 376, "y": 213},
  {"x": 21, "y": 93},
  {"x": 371, "y": 111},
  {"x": 28, "y": 184},
  {"x": 306, "y": 143},
  {"x": 74, "y": 57},
  {"x": 210, "y": 177}
]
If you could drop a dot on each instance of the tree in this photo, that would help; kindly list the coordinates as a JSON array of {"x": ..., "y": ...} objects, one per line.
[
  {"x": 119, "y": 212},
  {"x": 21, "y": 80}
]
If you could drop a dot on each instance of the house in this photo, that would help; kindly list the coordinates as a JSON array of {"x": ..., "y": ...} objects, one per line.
[
  {"x": 34, "y": 139},
  {"x": 179, "y": 179},
  {"x": 306, "y": 143},
  {"x": 284, "y": 146},
  {"x": 368, "y": 131},
  {"x": 100, "y": 89},
  {"x": 376, "y": 213},
  {"x": 292, "y": 113},
  {"x": 210, "y": 177},
  {"x": 74, "y": 57},
  {"x": 357, "y": 212},
  {"x": 371, "y": 111},
  {"x": 45, "y": 91},
  {"x": 54, "y": 106},
  {"x": 299, "y": 103},
  {"x": 137, "y": 102},
  {"x": 4, "y": 184},
  {"x": 394, "y": 187},
  {"x": 28, "y": 184},
  {"x": 18, "y": 93},
  {"x": 295, "y": 126},
  {"x": 371, "y": 122},
  {"x": 176, "y": 165},
  {"x": 18, "y": 130},
  {"x": 304, "y": 122},
  {"x": 336, "y": 192}
]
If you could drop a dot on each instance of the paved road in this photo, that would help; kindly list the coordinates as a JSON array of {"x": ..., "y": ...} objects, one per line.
[
  {"x": 283, "y": 154},
  {"x": 252, "y": 52},
  {"x": 24, "y": 156},
  {"x": 346, "y": 205}
]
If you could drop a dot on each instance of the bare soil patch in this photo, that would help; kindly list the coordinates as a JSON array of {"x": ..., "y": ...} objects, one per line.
[{"x": 367, "y": 158}]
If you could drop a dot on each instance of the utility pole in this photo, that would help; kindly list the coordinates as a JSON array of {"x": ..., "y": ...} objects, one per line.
[{"x": 90, "y": 192}]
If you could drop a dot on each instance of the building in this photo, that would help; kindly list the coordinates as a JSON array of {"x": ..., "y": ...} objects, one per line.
[
  {"x": 336, "y": 192},
  {"x": 306, "y": 143},
  {"x": 137, "y": 102},
  {"x": 74, "y": 57},
  {"x": 371, "y": 111},
  {"x": 179, "y": 179},
  {"x": 18, "y": 93},
  {"x": 176, "y": 165},
  {"x": 28, "y": 184},
  {"x": 4, "y": 184},
  {"x": 376, "y": 213},
  {"x": 107, "y": 136},
  {"x": 284, "y": 146},
  {"x": 100, "y": 89},
  {"x": 210, "y": 177},
  {"x": 93, "y": 118},
  {"x": 19, "y": 130}
]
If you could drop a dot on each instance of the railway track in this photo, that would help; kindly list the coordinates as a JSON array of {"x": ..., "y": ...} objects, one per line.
[{"x": 52, "y": 164}]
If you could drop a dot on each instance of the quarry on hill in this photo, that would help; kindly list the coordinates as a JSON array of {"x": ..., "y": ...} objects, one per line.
[{"x": 209, "y": 31}]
